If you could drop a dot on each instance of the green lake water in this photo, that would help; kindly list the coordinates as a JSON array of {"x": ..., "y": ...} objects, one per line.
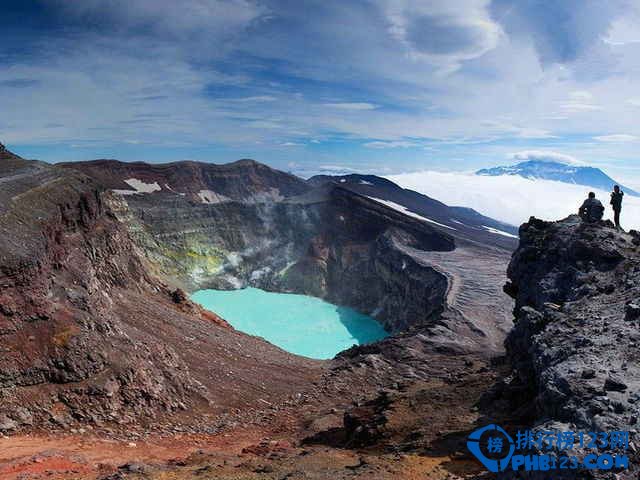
[{"x": 299, "y": 324}]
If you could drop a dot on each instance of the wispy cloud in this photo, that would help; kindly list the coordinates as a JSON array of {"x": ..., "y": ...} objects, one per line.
[
  {"x": 356, "y": 106},
  {"x": 544, "y": 156},
  {"x": 393, "y": 144},
  {"x": 616, "y": 138},
  {"x": 257, "y": 98}
]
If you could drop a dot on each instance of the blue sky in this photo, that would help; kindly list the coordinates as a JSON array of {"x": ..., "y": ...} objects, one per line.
[{"x": 382, "y": 86}]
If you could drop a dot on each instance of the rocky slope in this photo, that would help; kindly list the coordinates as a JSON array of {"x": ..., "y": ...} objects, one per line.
[
  {"x": 90, "y": 335},
  {"x": 574, "y": 345},
  {"x": 464, "y": 224}
]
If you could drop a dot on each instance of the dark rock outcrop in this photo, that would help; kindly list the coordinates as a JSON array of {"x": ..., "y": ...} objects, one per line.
[{"x": 574, "y": 347}]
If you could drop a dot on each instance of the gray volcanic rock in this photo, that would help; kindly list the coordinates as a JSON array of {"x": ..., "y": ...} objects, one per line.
[{"x": 574, "y": 347}]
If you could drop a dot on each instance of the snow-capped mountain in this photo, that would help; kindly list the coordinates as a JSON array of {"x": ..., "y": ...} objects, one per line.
[{"x": 560, "y": 172}]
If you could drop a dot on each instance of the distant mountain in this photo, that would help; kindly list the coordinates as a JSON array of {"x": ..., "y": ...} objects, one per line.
[
  {"x": 462, "y": 223},
  {"x": 559, "y": 172}
]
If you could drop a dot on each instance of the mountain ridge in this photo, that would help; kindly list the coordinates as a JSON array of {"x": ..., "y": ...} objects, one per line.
[{"x": 462, "y": 222}]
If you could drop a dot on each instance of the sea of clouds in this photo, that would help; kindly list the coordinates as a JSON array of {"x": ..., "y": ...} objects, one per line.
[{"x": 512, "y": 199}]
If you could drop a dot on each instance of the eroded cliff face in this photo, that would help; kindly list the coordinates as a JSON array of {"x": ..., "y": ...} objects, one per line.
[
  {"x": 89, "y": 334},
  {"x": 574, "y": 348},
  {"x": 327, "y": 241}
]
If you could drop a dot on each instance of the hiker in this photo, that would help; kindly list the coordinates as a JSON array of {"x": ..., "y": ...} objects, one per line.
[
  {"x": 591, "y": 210},
  {"x": 616, "y": 203}
]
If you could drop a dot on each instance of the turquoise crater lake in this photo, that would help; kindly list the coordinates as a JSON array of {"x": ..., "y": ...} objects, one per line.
[{"x": 299, "y": 324}]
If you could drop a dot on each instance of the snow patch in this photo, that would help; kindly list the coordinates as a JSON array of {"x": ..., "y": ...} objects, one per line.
[
  {"x": 211, "y": 197},
  {"x": 143, "y": 187},
  {"x": 402, "y": 209},
  {"x": 500, "y": 232},
  {"x": 364, "y": 182}
]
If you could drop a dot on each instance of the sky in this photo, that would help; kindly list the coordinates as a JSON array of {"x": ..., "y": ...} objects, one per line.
[{"x": 381, "y": 86}]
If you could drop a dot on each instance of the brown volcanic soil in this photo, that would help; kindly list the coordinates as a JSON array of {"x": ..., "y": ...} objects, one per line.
[{"x": 426, "y": 426}]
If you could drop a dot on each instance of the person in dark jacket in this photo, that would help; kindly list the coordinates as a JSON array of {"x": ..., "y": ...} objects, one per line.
[
  {"x": 616, "y": 203},
  {"x": 592, "y": 209}
]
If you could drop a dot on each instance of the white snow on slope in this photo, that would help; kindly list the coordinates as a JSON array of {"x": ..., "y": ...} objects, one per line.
[
  {"x": 402, "y": 209},
  {"x": 209, "y": 196},
  {"x": 512, "y": 199},
  {"x": 143, "y": 187},
  {"x": 139, "y": 186},
  {"x": 500, "y": 232}
]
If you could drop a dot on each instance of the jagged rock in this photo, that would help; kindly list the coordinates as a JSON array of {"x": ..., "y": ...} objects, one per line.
[
  {"x": 588, "y": 373},
  {"x": 179, "y": 296},
  {"x": 364, "y": 425},
  {"x": 114, "y": 476},
  {"x": 133, "y": 467},
  {"x": 615, "y": 384},
  {"x": 7, "y": 424},
  {"x": 632, "y": 312},
  {"x": 557, "y": 354}
]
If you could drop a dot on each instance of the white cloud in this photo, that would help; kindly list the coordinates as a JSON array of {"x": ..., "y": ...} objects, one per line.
[
  {"x": 623, "y": 31},
  {"x": 535, "y": 133},
  {"x": 336, "y": 168},
  {"x": 511, "y": 199},
  {"x": 441, "y": 31},
  {"x": 393, "y": 144},
  {"x": 352, "y": 106},
  {"x": 183, "y": 20},
  {"x": 580, "y": 101},
  {"x": 544, "y": 156},
  {"x": 257, "y": 98},
  {"x": 615, "y": 138}
]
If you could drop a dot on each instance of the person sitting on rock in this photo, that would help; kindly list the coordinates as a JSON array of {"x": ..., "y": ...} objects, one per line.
[
  {"x": 592, "y": 209},
  {"x": 616, "y": 203}
]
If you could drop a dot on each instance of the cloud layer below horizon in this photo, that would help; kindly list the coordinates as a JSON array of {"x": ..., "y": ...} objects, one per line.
[{"x": 512, "y": 199}]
